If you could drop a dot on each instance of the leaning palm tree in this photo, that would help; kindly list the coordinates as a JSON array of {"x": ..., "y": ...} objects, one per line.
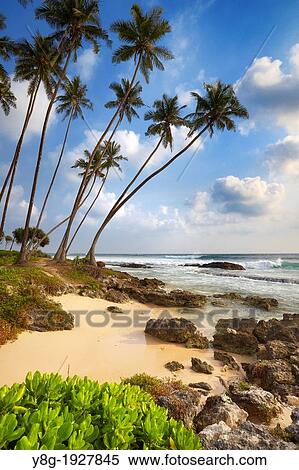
[
  {"x": 166, "y": 115},
  {"x": 214, "y": 110},
  {"x": 111, "y": 158},
  {"x": 141, "y": 36},
  {"x": 128, "y": 96},
  {"x": 71, "y": 105},
  {"x": 75, "y": 22},
  {"x": 34, "y": 65}
]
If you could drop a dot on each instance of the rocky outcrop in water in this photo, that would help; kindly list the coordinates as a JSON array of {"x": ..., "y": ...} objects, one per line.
[{"x": 218, "y": 265}]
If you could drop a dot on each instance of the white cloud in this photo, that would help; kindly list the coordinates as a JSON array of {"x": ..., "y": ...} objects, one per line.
[
  {"x": 86, "y": 64},
  {"x": 270, "y": 94},
  {"x": 11, "y": 125},
  {"x": 250, "y": 197},
  {"x": 283, "y": 156},
  {"x": 18, "y": 208}
]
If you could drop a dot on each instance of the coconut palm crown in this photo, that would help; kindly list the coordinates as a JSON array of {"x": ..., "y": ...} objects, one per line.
[
  {"x": 74, "y": 99},
  {"x": 216, "y": 109},
  {"x": 130, "y": 98},
  {"x": 140, "y": 36},
  {"x": 166, "y": 114}
]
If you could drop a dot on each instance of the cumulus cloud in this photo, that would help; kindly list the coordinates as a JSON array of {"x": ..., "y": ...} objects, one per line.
[
  {"x": 270, "y": 93},
  {"x": 283, "y": 156},
  {"x": 86, "y": 64},
  {"x": 11, "y": 125},
  {"x": 250, "y": 197}
]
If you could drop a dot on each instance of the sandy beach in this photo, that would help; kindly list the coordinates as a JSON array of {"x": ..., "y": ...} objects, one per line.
[{"x": 103, "y": 353}]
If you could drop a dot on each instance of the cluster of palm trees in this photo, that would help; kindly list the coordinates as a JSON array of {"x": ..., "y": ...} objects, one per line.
[{"x": 44, "y": 61}]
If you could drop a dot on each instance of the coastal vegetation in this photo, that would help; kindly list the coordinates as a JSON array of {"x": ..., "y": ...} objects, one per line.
[{"x": 48, "y": 412}]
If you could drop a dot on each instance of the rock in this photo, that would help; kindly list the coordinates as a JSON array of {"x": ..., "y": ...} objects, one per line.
[
  {"x": 115, "y": 309},
  {"x": 292, "y": 400},
  {"x": 175, "y": 298},
  {"x": 201, "y": 366},
  {"x": 113, "y": 295},
  {"x": 235, "y": 341},
  {"x": 173, "y": 366},
  {"x": 173, "y": 330},
  {"x": 134, "y": 265},
  {"x": 182, "y": 404},
  {"x": 101, "y": 264},
  {"x": 223, "y": 265},
  {"x": 226, "y": 359},
  {"x": 197, "y": 341},
  {"x": 248, "y": 436},
  {"x": 260, "y": 405},
  {"x": 293, "y": 429},
  {"x": 201, "y": 385},
  {"x": 246, "y": 325},
  {"x": 263, "y": 303},
  {"x": 276, "y": 376},
  {"x": 273, "y": 330},
  {"x": 212, "y": 433},
  {"x": 276, "y": 350},
  {"x": 219, "y": 408}
]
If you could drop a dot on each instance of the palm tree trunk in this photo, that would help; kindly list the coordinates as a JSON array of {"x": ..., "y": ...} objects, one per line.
[
  {"x": 61, "y": 252},
  {"x": 13, "y": 166},
  {"x": 91, "y": 252},
  {"x": 23, "y": 254},
  {"x": 64, "y": 220},
  {"x": 88, "y": 211},
  {"x": 12, "y": 244},
  {"x": 55, "y": 171}
]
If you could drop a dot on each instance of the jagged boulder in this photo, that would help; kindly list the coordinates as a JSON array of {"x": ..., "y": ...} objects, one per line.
[
  {"x": 235, "y": 341},
  {"x": 277, "y": 349},
  {"x": 260, "y": 405},
  {"x": 222, "y": 265},
  {"x": 173, "y": 330},
  {"x": 226, "y": 359},
  {"x": 219, "y": 408},
  {"x": 293, "y": 429},
  {"x": 201, "y": 366},
  {"x": 276, "y": 376},
  {"x": 174, "y": 366},
  {"x": 182, "y": 404},
  {"x": 274, "y": 330},
  {"x": 248, "y": 436},
  {"x": 197, "y": 341}
]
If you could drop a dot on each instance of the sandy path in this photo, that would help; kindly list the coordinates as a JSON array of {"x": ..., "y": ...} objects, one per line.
[{"x": 103, "y": 353}]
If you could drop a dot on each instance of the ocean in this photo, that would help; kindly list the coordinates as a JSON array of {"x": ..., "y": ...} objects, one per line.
[{"x": 269, "y": 275}]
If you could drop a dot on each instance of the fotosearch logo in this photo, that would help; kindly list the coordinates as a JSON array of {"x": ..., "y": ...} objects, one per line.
[{"x": 137, "y": 318}]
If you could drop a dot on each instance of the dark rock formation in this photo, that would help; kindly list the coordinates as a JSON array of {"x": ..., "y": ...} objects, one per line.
[
  {"x": 175, "y": 330},
  {"x": 201, "y": 386},
  {"x": 218, "y": 265},
  {"x": 226, "y": 359},
  {"x": 115, "y": 309},
  {"x": 201, "y": 366},
  {"x": 197, "y": 341},
  {"x": 219, "y": 408},
  {"x": 293, "y": 429},
  {"x": 173, "y": 366},
  {"x": 182, "y": 404},
  {"x": 235, "y": 341}
]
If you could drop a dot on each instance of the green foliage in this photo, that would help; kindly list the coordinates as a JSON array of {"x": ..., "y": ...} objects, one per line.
[
  {"x": 35, "y": 235},
  {"x": 8, "y": 257},
  {"x": 48, "y": 412}
]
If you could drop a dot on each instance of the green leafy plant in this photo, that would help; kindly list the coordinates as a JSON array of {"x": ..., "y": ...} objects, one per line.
[{"x": 49, "y": 412}]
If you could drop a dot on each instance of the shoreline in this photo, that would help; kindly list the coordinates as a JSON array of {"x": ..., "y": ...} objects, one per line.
[{"x": 107, "y": 353}]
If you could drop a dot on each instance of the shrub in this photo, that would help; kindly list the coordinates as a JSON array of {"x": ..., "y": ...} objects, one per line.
[{"x": 48, "y": 412}]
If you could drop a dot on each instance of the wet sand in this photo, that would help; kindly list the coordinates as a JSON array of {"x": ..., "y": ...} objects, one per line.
[{"x": 106, "y": 353}]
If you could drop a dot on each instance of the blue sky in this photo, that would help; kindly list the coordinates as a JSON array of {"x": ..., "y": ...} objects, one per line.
[{"x": 240, "y": 191}]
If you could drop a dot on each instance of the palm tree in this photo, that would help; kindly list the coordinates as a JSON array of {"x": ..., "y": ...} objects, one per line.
[
  {"x": 71, "y": 105},
  {"x": 166, "y": 115},
  {"x": 127, "y": 96},
  {"x": 7, "y": 98},
  {"x": 75, "y": 22},
  {"x": 109, "y": 159},
  {"x": 140, "y": 36},
  {"x": 34, "y": 65},
  {"x": 7, "y": 48},
  {"x": 214, "y": 110}
]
